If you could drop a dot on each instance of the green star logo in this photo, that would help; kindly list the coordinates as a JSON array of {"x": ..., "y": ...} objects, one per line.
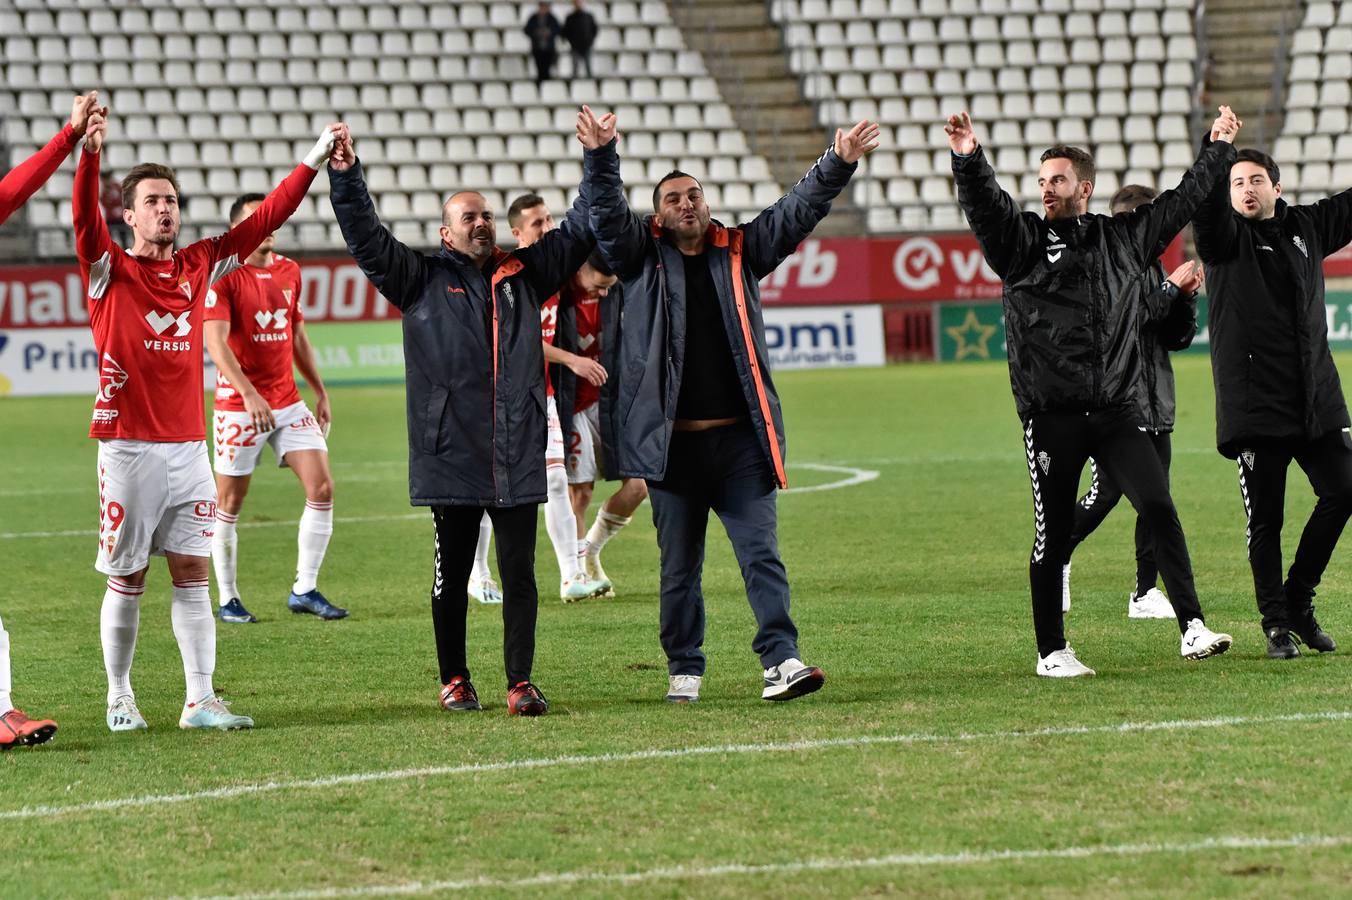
[{"x": 972, "y": 337}]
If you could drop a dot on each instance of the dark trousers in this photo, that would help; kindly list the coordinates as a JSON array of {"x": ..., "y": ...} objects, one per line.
[
  {"x": 544, "y": 64},
  {"x": 581, "y": 63},
  {"x": 1103, "y": 495},
  {"x": 1327, "y": 462},
  {"x": 724, "y": 470},
  {"x": 457, "y": 534},
  {"x": 1058, "y": 444}
]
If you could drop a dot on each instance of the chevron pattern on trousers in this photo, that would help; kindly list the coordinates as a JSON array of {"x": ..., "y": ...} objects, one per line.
[{"x": 1039, "y": 513}]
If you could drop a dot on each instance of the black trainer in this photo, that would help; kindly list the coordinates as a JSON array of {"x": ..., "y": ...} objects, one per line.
[
  {"x": 1280, "y": 645},
  {"x": 1307, "y": 630}
]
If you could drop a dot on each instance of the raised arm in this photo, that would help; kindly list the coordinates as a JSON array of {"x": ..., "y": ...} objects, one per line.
[
  {"x": 94, "y": 248},
  {"x": 555, "y": 257},
  {"x": 1001, "y": 230},
  {"x": 395, "y": 270},
  {"x": 1333, "y": 218},
  {"x": 237, "y": 243},
  {"x": 621, "y": 236},
  {"x": 1152, "y": 226},
  {"x": 31, "y": 174}
]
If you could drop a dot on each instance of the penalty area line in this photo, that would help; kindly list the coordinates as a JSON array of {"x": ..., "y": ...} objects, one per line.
[
  {"x": 829, "y": 864},
  {"x": 230, "y": 792}
]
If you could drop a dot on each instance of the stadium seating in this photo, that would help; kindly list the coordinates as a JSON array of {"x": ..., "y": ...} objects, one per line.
[
  {"x": 1314, "y": 149},
  {"x": 440, "y": 96},
  {"x": 1116, "y": 75}
]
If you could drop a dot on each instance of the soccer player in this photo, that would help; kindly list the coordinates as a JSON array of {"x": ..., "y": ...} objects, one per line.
[
  {"x": 1072, "y": 315},
  {"x": 156, "y": 494},
  {"x": 587, "y": 446},
  {"x": 16, "y": 728},
  {"x": 1278, "y": 394},
  {"x": 530, "y": 219},
  {"x": 701, "y": 421},
  {"x": 255, "y": 332},
  {"x": 1158, "y": 338},
  {"x": 471, "y": 321}
]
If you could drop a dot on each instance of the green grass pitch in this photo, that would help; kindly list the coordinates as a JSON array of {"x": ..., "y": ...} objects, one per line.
[{"x": 933, "y": 762}]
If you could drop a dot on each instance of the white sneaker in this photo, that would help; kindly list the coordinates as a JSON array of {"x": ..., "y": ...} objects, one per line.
[
  {"x": 592, "y": 566},
  {"x": 1062, "y": 664},
  {"x": 791, "y": 679},
  {"x": 213, "y": 713},
  {"x": 1150, "y": 605},
  {"x": 485, "y": 590},
  {"x": 1199, "y": 642},
  {"x": 579, "y": 587},
  {"x": 684, "y": 688},
  {"x": 124, "y": 716},
  {"x": 1065, "y": 588}
]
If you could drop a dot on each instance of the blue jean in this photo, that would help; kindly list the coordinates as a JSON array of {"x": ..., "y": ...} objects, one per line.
[{"x": 724, "y": 470}]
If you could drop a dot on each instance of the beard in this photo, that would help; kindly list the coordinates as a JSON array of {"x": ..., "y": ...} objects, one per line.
[{"x": 1062, "y": 208}]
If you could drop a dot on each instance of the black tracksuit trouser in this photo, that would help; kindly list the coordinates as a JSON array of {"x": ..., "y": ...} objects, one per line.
[
  {"x": 1058, "y": 444},
  {"x": 1103, "y": 495},
  {"x": 1327, "y": 462},
  {"x": 457, "y": 534}
]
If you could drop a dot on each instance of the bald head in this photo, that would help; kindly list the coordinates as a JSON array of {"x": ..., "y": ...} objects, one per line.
[{"x": 467, "y": 225}]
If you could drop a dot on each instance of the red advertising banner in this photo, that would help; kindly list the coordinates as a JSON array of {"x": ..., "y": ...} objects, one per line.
[
  {"x": 918, "y": 268},
  {"x": 1339, "y": 265}
]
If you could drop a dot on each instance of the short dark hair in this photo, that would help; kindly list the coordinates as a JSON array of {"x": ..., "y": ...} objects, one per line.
[
  {"x": 141, "y": 173},
  {"x": 1130, "y": 196},
  {"x": 1080, "y": 160},
  {"x": 1258, "y": 157},
  {"x": 673, "y": 174},
  {"x": 598, "y": 262},
  {"x": 520, "y": 205},
  {"x": 237, "y": 208}
]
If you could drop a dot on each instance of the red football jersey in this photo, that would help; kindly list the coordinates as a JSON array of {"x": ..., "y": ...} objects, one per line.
[
  {"x": 147, "y": 314},
  {"x": 549, "y": 324},
  {"x": 261, "y": 305},
  {"x": 588, "y": 317}
]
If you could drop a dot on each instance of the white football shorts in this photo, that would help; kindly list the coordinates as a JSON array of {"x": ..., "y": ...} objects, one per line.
[
  {"x": 153, "y": 498},
  {"x": 584, "y": 442},
  {"x": 554, "y": 435},
  {"x": 238, "y": 445}
]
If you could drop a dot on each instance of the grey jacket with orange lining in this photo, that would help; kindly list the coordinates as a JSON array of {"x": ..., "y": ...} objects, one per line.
[
  {"x": 474, "y": 367},
  {"x": 638, "y": 411}
]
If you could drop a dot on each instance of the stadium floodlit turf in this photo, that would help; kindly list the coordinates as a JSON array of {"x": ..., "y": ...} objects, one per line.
[{"x": 933, "y": 762}]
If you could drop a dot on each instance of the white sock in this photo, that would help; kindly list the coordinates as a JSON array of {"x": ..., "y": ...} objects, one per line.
[
  {"x": 5, "y": 686},
  {"x": 195, "y": 631},
  {"x": 606, "y": 526},
  {"x": 480, "y": 570},
  {"x": 560, "y": 521},
  {"x": 119, "y": 619},
  {"x": 316, "y": 526},
  {"x": 224, "y": 544}
]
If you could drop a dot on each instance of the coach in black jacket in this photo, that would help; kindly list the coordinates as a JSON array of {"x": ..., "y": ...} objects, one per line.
[
  {"x": 476, "y": 401},
  {"x": 1071, "y": 299},
  {"x": 696, "y": 412},
  {"x": 1278, "y": 396}
]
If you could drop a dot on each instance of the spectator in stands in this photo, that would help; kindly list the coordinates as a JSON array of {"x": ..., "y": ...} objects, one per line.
[
  {"x": 471, "y": 320},
  {"x": 579, "y": 30},
  {"x": 1175, "y": 298},
  {"x": 543, "y": 30},
  {"x": 699, "y": 417},
  {"x": 110, "y": 198},
  {"x": 1071, "y": 300},
  {"x": 1278, "y": 395}
]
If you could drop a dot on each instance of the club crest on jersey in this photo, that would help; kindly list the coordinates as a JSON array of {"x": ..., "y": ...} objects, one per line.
[
  {"x": 509, "y": 296},
  {"x": 1044, "y": 460},
  {"x": 112, "y": 378},
  {"x": 161, "y": 321},
  {"x": 186, "y": 288},
  {"x": 286, "y": 296},
  {"x": 1300, "y": 245},
  {"x": 1247, "y": 456}
]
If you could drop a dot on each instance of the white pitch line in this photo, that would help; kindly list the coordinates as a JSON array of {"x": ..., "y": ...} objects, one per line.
[
  {"x": 245, "y": 790},
  {"x": 829, "y": 864},
  {"x": 856, "y": 476}
]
